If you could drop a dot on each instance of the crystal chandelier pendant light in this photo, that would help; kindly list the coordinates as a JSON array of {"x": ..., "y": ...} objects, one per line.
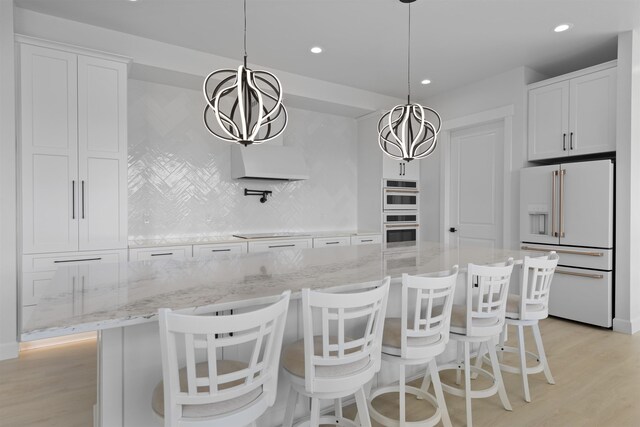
[
  {"x": 244, "y": 106},
  {"x": 409, "y": 131}
]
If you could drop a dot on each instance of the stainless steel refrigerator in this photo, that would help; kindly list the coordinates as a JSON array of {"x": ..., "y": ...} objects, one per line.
[{"x": 569, "y": 208}]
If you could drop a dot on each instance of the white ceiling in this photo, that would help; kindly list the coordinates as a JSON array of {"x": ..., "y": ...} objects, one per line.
[{"x": 455, "y": 42}]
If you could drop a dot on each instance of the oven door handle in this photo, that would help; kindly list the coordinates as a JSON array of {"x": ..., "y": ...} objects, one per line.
[
  {"x": 393, "y": 190},
  {"x": 401, "y": 225}
]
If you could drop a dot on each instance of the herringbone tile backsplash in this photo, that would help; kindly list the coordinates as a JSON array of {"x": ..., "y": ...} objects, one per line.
[{"x": 180, "y": 181}]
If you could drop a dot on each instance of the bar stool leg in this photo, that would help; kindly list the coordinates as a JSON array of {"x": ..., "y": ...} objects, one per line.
[
  {"x": 503, "y": 337},
  {"x": 467, "y": 381},
  {"x": 437, "y": 387},
  {"x": 426, "y": 381},
  {"x": 459, "y": 360},
  {"x": 541, "y": 353},
  {"x": 523, "y": 363},
  {"x": 403, "y": 407},
  {"x": 337, "y": 405},
  {"x": 363, "y": 409},
  {"x": 291, "y": 408},
  {"x": 498, "y": 375},
  {"x": 315, "y": 412},
  {"x": 479, "y": 359}
]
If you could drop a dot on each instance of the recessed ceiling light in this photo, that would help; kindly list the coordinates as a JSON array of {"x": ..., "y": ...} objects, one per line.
[
  {"x": 316, "y": 49},
  {"x": 563, "y": 27},
  {"x": 425, "y": 81}
]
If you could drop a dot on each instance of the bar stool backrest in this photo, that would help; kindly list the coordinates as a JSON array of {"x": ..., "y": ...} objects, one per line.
[
  {"x": 199, "y": 338},
  {"x": 346, "y": 355},
  {"x": 487, "y": 292},
  {"x": 537, "y": 274},
  {"x": 426, "y": 313}
]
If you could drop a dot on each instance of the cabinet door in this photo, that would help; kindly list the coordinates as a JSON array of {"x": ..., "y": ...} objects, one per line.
[
  {"x": 391, "y": 168},
  {"x": 592, "y": 120},
  {"x": 411, "y": 170},
  {"x": 102, "y": 141},
  {"x": 548, "y": 121},
  {"x": 49, "y": 147}
]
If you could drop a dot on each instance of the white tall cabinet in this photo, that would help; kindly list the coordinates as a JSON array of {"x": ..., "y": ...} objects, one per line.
[{"x": 73, "y": 157}]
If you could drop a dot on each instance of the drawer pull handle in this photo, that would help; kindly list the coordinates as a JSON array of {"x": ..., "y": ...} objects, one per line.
[
  {"x": 332, "y": 243},
  {"x": 587, "y": 275},
  {"x": 281, "y": 246},
  {"x": 76, "y": 260},
  {"x": 366, "y": 240},
  {"x": 163, "y": 254},
  {"x": 220, "y": 250},
  {"x": 563, "y": 251}
]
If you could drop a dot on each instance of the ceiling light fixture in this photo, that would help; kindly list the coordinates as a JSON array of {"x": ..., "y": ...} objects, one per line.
[
  {"x": 426, "y": 82},
  {"x": 316, "y": 49},
  {"x": 563, "y": 27},
  {"x": 404, "y": 132},
  {"x": 246, "y": 104}
]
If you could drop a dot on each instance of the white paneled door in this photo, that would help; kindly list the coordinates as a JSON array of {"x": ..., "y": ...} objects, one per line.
[
  {"x": 49, "y": 149},
  {"x": 476, "y": 186}
]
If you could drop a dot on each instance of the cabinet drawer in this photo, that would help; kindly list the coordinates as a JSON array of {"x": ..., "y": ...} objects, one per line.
[
  {"x": 34, "y": 284},
  {"x": 366, "y": 240},
  {"x": 203, "y": 251},
  {"x": 319, "y": 242},
  {"x": 274, "y": 245},
  {"x": 49, "y": 262},
  {"x": 167, "y": 252},
  {"x": 600, "y": 259},
  {"x": 582, "y": 295}
]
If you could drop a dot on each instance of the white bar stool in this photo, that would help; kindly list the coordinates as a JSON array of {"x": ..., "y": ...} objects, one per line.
[
  {"x": 417, "y": 337},
  {"x": 479, "y": 321},
  {"x": 527, "y": 309},
  {"x": 219, "y": 393},
  {"x": 342, "y": 358}
]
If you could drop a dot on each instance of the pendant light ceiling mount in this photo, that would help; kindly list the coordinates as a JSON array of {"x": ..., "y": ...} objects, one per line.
[
  {"x": 244, "y": 106},
  {"x": 409, "y": 131}
]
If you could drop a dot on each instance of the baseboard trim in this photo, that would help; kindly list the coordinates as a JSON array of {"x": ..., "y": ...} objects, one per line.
[
  {"x": 625, "y": 326},
  {"x": 52, "y": 342},
  {"x": 9, "y": 350}
]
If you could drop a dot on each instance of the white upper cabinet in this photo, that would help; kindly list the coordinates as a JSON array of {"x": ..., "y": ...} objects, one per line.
[
  {"x": 395, "y": 169},
  {"x": 592, "y": 117},
  {"x": 548, "y": 121},
  {"x": 73, "y": 148},
  {"x": 573, "y": 115}
]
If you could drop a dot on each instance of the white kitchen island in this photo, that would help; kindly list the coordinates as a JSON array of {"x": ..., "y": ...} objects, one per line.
[{"x": 121, "y": 301}]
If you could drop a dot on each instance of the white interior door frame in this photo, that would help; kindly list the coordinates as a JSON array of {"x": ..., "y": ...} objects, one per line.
[{"x": 501, "y": 114}]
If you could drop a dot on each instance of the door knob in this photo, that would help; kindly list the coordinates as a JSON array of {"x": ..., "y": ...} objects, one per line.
[{"x": 453, "y": 230}]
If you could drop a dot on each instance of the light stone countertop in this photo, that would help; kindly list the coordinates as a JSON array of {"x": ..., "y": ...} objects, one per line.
[
  {"x": 121, "y": 294},
  {"x": 206, "y": 239}
]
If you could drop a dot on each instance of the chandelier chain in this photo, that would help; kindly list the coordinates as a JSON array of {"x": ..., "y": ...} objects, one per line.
[
  {"x": 245, "y": 33},
  {"x": 409, "y": 59}
]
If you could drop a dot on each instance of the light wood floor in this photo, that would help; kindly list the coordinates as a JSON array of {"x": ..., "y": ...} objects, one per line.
[{"x": 597, "y": 375}]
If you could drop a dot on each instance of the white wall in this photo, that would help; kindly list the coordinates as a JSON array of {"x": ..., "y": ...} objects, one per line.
[
  {"x": 8, "y": 284},
  {"x": 502, "y": 90},
  {"x": 627, "y": 296},
  {"x": 179, "y": 175}
]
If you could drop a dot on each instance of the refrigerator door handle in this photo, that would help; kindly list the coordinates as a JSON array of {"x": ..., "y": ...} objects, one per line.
[
  {"x": 573, "y": 273},
  {"x": 563, "y": 172},
  {"x": 554, "y": 175}
]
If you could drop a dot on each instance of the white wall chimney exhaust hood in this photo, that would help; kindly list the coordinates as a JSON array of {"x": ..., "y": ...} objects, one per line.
[{"x": 273, "y": 162}]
